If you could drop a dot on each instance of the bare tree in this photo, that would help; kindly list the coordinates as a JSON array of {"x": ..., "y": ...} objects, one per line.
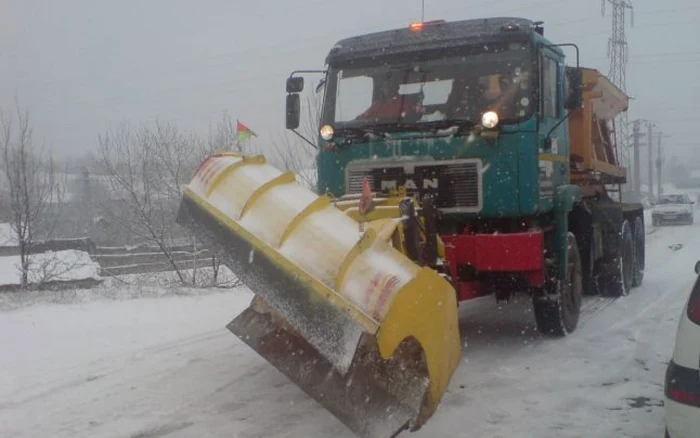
[
  {"x": 31, "y": 186},
  {"x": 145, "y": 169},
  {"x": 49, "y": 267}
]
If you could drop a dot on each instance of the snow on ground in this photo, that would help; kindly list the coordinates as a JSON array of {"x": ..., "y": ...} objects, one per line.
[
  {"x": 8, "y": 237},
  {"x": 152, "y": 367},
  {"x": 647, "y": 221},
  {"x": 126, "y": 287},
  {"x": 50, "y": 266}
]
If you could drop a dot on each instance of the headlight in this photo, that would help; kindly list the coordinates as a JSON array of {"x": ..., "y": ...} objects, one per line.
[
  {"x": 327, "y": 132},
  {"x": 489, "y": 120}
]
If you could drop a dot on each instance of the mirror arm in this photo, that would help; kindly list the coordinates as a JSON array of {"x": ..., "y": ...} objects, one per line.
[
  {"x": 304, "y": 138},
  {"x": 563, "y": 119},
  {"x": 578, "y": 65},
  {"x": 307, "y": 71}
]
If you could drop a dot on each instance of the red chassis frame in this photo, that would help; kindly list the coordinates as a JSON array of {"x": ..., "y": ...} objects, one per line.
[{"x": 519, "y": 254}]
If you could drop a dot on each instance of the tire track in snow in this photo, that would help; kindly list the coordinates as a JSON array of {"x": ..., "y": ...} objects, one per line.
[
  {"x": 630, "y": 365},
  {"x": 657, "y": 254},
  {"x": 594, "y": 306},
  {"x": 100, "y": 368}
]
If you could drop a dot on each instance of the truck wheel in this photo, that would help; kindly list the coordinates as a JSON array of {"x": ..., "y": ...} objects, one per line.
[
  {"x": 618, "y": 282},
  {"x": 558, "y": 314},
  {"x": 639, "y": 253}
]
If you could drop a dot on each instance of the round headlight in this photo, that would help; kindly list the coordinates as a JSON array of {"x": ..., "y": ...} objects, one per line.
[
  {"x": 489, "y": 120},
  {"x": 327, "y": 132}
]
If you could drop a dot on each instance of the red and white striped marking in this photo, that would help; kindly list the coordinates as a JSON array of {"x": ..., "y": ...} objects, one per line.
[
  {"x": 381, "y": 287},
  {"x": 208, "y": 170}
]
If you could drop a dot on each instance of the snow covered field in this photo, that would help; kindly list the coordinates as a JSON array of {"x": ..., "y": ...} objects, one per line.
[
  {"x": 50, "y": 266},
  {"x": 166, "y": 366}
]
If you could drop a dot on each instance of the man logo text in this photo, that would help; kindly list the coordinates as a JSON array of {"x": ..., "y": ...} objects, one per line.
[{"x": 428, "y": 183}]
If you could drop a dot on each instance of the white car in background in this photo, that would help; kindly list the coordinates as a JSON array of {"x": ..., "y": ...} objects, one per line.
[
  {"x": 682, "y": 383},
  {"x": 673, "y": 208}
]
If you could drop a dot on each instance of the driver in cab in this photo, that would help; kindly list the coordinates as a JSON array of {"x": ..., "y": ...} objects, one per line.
[
  {"x": 508, "y": 93},
  {"x": 389, "y": 105}
]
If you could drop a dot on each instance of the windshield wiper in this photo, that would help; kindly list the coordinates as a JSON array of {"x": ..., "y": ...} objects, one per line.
[
  {"x": 365, "y": 132},
  {"x": 441, "y": 128},
  {"x": 437, "y": 126}
]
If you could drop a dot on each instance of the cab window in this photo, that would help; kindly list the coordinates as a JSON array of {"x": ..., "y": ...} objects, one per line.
[{"x": 550, "y": 96}]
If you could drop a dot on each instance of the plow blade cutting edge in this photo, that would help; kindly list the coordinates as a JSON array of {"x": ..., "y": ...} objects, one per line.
[{"x": 352, "y": 321}]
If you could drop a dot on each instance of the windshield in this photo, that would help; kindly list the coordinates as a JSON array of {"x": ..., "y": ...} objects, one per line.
[
  {"x": 460, "y": 86},
  {"x": 672, "y": 199}
]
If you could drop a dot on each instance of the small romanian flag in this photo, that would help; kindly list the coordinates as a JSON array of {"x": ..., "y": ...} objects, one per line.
[{"x": 243, "y": 132}]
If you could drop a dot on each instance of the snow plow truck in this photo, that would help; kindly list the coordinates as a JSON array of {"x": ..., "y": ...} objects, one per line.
[{"x": 455, "y": 160}]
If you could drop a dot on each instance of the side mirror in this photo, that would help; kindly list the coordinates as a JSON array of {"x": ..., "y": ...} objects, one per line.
[
  {"x": 697, "y": 268},
  {"x": 295, "y": 84},
  {"x": 574, "y": 99},
  {"x": 293, "y": 111}
]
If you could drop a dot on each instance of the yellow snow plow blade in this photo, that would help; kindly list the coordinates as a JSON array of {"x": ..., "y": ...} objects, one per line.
[{"x": 350, "y": 319}]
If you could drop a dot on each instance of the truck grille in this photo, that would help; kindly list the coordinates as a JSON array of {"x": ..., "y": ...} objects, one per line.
[{"x": 456, "y": 184}]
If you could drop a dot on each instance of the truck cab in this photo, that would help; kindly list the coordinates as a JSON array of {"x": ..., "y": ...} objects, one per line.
[
  {"x": 473, "y": 116},
  {"x": 438, "y": 84}
]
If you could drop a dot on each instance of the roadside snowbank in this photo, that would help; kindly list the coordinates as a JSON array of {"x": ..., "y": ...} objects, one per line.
[
  {"x": 65, "y": 265},
  {"x": 128, "y": 287}
]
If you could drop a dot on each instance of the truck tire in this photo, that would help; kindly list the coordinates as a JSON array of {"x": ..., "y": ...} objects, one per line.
[
  {"x": 639, "y": 252},
  {"x": 589, "y": 270},
  {"x": 558, "y": 314},
  {"x": 618, "y": 282}
]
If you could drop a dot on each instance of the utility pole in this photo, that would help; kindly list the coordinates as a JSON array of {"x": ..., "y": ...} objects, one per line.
[
  {"x": 618, "y": 51},
  {"x": 650, "y": 157},
  {"x": 659, "y": 165},
  {"x": 636, "y": 182},
  {"x": 638, "y": 144}
]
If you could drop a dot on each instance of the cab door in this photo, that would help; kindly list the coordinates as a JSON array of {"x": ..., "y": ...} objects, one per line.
[{"x": 553, "y": 152}]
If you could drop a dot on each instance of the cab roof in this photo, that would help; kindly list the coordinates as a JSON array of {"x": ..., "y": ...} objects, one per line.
[{"x": 431, "y": 35}]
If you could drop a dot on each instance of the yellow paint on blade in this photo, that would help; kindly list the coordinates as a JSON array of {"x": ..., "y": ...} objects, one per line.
[
  {"x": 426, "y": 309},
  {"x": 315, "y": 288},
  {"x": 307, "y": 236}
]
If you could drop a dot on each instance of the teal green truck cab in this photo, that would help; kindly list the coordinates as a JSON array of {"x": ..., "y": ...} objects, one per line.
[{"x": 472, "y": 117}]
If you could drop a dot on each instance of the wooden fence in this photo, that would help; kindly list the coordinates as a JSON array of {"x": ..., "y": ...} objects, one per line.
[
  {"x": 122, "y": 260},
  {"x": 115, "y": 261}
]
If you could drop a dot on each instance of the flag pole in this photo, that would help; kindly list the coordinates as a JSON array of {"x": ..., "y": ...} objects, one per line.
[{"x": 238, "y": 143}]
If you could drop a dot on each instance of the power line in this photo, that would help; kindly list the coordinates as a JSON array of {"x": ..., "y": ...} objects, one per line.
[
  {"x": 618, "y": 51},
  {"x": 675, "y": 61},
  {"x": 663, "y": 54},
  {"x": 269, "y": 75}
]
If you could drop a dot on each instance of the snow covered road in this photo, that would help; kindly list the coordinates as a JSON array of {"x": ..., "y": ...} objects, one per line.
[{"x": 167, "y": 367}]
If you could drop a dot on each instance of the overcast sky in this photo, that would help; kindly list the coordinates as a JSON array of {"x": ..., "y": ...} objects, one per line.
[{"x": 82, "y": 66}]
